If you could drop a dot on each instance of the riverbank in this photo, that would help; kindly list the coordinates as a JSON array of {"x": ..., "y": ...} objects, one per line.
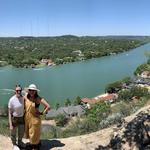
[{"x": 63, "y": 49}]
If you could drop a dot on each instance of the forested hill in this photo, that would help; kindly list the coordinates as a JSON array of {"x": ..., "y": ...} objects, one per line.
[{"x": 26, "y": 50}]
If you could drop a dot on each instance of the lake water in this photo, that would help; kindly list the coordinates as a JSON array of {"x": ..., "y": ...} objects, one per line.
[{"x": 85, "y": 79}]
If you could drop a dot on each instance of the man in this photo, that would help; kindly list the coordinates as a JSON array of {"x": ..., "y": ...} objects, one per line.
[{"x": 16, "y": 119}]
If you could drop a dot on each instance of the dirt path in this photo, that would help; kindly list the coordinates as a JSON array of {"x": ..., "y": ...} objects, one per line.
[{"x": 84, "y": 142}]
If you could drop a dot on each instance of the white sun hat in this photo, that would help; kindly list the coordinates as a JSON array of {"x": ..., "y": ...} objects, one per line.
[{"x": 33, "y": 87}]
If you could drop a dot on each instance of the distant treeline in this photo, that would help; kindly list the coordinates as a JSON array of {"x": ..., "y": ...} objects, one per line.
[{"x": 25, "y": 51}]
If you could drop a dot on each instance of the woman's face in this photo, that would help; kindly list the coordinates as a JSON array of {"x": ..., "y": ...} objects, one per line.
[
  {"x": 18, "y": 91},
  {"x": 32, "y": 92}
]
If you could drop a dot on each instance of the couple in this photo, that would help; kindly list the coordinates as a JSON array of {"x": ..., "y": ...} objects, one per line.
[{"x": 24, "y": 116}]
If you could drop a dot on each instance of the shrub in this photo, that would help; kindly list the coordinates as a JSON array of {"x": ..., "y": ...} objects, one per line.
[
  {"x": 80, "y": 127},
  {"x": 50, "y": 132},
  {"x": 61, "y": 120},
  {"x": 122, "y": 108},
  {"x": 112, "y": 119},
  {"x": 98, "y": 112},
  {"x": 125, "y": 95},
  {"x": 139, "y": 91}
]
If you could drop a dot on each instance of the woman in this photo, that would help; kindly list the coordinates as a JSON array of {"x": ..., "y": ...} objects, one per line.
[
  {"x": 16, "y": 113},
  {"x": 32, "y": 115}
]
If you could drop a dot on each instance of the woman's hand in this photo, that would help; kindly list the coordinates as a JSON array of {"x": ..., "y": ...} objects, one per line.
[
  {"x": 46, "y": 106},
  {"x": 11, "y": 127},
  {"x": 38, "y": 113}
]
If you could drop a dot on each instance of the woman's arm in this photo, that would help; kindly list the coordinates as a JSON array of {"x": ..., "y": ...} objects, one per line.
[
  {"x": 46, "y": 106},
  {"x": 10, "y": 118}
]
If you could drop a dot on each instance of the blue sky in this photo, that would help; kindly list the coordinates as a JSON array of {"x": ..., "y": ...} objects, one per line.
[{"x": 75, "y": 17}]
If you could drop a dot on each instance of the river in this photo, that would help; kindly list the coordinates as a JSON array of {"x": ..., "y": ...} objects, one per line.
[{"x": 85, "y": 79}]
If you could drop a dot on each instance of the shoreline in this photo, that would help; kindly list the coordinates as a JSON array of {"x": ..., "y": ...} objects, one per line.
[{"x": 40, "y": 66}]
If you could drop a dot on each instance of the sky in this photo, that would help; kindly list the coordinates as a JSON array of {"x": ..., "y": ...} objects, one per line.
[{"x": 74, "y": 17}]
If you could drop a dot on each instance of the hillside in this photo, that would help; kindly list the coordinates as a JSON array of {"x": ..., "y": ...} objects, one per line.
[
  {"x": 29, "y": 51},
  {"x": 132, "y": 134}
]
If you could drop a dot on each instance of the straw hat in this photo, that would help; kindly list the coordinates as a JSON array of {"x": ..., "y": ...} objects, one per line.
[{"x": 33, "y": 87}]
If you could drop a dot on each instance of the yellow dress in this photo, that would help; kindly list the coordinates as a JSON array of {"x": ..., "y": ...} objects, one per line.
[{"x": 32, "y": 122}]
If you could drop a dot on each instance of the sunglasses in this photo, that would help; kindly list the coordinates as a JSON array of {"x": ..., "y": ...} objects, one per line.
[
  {"x": 31, "y": 90},
  {"x": 18, "y": 90}
]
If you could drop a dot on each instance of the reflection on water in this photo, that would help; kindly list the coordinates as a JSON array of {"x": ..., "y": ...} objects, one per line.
[
  {"x": 10, "y": 92},
  {"x": 6, "y": 91}
]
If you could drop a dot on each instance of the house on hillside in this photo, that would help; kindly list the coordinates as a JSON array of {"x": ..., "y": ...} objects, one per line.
[
  {"x": 44, "y": 61},
  {"x": 145, "y": 86},
  {"x": 111, "y": 98},
  {"x": 88, "y": 100},
  {"x": 101, "y": 98},
  {"x": 145, "y": 74},
  {"x": 69, "y": 111},
  {"x": 48, "y": 62},
  {"x": 78, "y": 52},
  {"x": 107, "y": 97}
]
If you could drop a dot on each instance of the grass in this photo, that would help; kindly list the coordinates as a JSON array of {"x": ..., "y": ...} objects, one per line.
[{"x": 4, "y": 127}]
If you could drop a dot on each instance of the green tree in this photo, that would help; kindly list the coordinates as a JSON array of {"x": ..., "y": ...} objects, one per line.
[
  {"x": 98, "y": 112},
  {"x": 148, "y": 61},
  {"x": 67, "y": 102},
  {"x": 57, "y": 105},
  {"x": 141, "y": 68},
  {"x": 125, "y": 95},
  {"x": 77, "y": 101},
  {"x": 134, "y": 91},
  {"x": 139, "y": 91},
  {"x": 114, "y": 87}
]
